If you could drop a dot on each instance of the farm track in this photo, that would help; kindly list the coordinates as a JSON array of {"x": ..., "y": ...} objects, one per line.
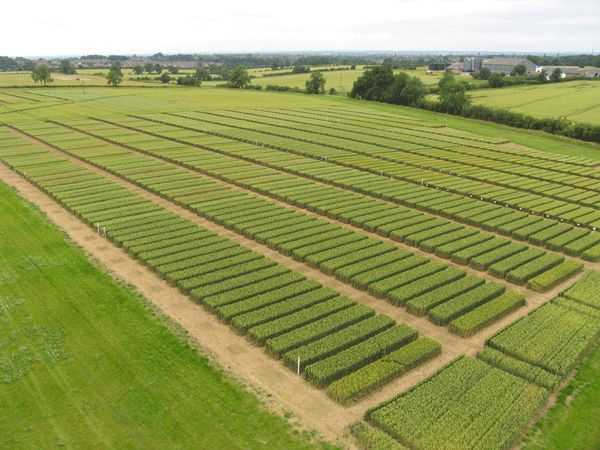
[{"x": 235, "y": 353}]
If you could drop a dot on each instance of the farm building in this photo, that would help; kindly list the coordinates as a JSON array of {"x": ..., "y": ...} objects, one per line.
[
  {"x": 506, "y": 65},
  {"x": 473, "y": 63},
  {"x": 438, "y": 65},
  {"x": 566, "y": 71},
  {"x": 592, "y": 73},
  {"x": 456, "y": 67}
]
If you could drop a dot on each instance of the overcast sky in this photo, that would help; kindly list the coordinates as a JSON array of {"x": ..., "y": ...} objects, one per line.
[{"x": 75, "y": 28}]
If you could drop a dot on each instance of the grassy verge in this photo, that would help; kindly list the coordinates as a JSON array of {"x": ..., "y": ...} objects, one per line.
[
  {"x": 572, "y": 424},
  {"x": 85, "y": 364}
]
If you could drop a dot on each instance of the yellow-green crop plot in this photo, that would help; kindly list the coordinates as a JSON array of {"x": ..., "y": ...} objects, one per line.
[{"x": 574, "y": 100}]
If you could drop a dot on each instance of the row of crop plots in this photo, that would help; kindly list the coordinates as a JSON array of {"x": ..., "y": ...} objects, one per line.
[
  {"x": 446, "y": 238},
  {"x": 497, "y": 212},
  {"x": 385, "y": 270},
  {"x": 567, "y": 197},
  {"x": 338, "y": 343},
  {"x": 299, "y": 235},
  {"x": 430, "y": 149},
  {"x": 293, "y": 316}
]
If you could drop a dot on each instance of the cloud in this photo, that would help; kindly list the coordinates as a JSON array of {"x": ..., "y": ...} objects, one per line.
[{"x": 268, "y": 25}]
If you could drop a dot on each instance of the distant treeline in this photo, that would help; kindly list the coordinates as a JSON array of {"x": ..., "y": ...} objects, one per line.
[
  {"x": 567, "y": 60},
  {"x": 280, "y": 60},
  {"x": 250, "y": 61}
]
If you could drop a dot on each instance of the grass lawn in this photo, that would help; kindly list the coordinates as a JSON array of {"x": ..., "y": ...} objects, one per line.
[{"x": 85, "y": 364}]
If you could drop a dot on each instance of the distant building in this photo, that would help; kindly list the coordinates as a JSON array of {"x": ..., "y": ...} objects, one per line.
[
  {"x": 473, "y": 63},
  {"x": 438, "y": 65},
  {"x": 456, "y": 67},
  {"x": 566, "y": 72},
  {"x": 506, "y": 65},
  {"x": 592, "y": 73}
]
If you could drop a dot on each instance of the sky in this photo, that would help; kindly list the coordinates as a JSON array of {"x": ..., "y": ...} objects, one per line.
[{"x": 75, "y": 28}]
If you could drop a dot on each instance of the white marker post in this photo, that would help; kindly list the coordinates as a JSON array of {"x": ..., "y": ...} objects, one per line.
[{"x": 298, "y": 365}]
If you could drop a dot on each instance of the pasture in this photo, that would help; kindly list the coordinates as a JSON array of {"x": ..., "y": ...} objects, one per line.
[{"x": 352, "y": 260}]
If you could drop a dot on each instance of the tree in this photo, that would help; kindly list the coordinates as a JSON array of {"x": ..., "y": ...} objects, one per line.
[
  {"x": 29, "y": 65},
  {"x": 393, "y": 94},
  {"x": 496, "y": 80},
  {"x": 372, "y": 84},
  {"x": 389, "y": 62},
  {"x": 65, "y": 67},
  {"x": 158, "y": 68},
  {"x": 414, "y": 90},
  {"x": 149, "y": 67},
  {"x": 453, "y": 97},
  {"x": 543, "y": 76},
  {"x": 202, "y": 74},
  {"x": 518, "y": 70},
  {"x": 165, "y": 78},
  {"x": 41, "y": 74},
  {"x": 239, "y": 77},
  {"x": 301, "y": 69},
  {"x": 447, "y": 78},
  {"x": 188, "y": 81},
  {"x": 172, "y": 69},
  {"x": 316, "y": 83},
  {"x": 114, "y": 75},
  {"x": 485, "y": 73},
  {"x": 556, "y": 75},
  {"x": 138, "y": 70},
  {"x": 219, "y": 70}
]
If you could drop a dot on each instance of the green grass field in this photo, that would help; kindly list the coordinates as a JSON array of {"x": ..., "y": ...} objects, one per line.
[
  {"x": 85, "y": 364},
  {"x": 574, "y": 100}
]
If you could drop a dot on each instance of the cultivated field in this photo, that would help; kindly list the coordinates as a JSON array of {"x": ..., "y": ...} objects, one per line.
[
  {"x": 82, "y": 79},
  {"x": 356, "y": 266},
  {"x": 574, "y": 100}
]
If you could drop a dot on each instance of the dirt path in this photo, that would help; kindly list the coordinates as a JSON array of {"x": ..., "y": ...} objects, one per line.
[{"x": 234, "y": 353}]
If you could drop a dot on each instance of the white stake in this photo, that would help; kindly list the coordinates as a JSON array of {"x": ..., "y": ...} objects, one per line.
[{"x": 298, "y": 365}]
